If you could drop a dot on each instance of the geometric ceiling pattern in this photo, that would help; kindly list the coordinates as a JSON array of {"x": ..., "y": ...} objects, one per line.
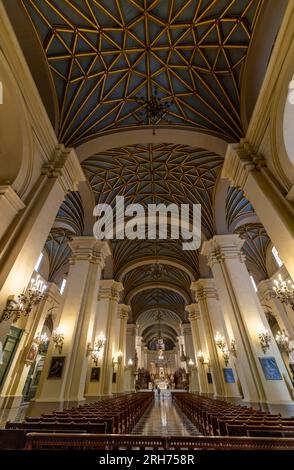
[
  {"x": 57, "y": 250},
  {"x": 156, "y": 173},
  {"x": 237, "y": 207},
  {"x": 102, "y": 54},
  {"x": 158, "y": 299},
  {"x": 71, "y": 213},
  {"x": 128, "y": 252},
  {"x": 144, "y": 276},
  {"x": 255, "y": 246}
]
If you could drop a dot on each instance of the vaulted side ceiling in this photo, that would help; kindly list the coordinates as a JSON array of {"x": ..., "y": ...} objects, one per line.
[{"x": 104, "y": 53}]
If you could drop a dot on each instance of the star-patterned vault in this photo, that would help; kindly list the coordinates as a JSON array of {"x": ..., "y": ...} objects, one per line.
[
  {"x": 156, "y": 173},
  {"x": 104, "y": 53}
]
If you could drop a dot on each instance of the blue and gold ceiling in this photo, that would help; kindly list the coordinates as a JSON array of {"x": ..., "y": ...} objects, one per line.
[
  {"x": 103, "y": 54},
  {"x": 156, "y": 173}
]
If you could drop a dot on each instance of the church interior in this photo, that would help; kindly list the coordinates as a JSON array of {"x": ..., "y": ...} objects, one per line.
[{"x": 135, "y": 341}]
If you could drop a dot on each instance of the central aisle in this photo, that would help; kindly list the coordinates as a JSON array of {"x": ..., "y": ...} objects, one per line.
[{"x": 164, "y": 419}]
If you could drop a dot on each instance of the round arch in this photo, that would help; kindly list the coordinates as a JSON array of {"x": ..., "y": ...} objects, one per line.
[
  {"x": 157, "y": 285},
  {"x": 16, "y": 155},
  {"x": 150, "y": 260},
  {"x": 173, "y": 135}
]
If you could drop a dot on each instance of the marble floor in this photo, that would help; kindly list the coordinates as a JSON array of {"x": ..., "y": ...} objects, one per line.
[{"x": 164, "y": 419}]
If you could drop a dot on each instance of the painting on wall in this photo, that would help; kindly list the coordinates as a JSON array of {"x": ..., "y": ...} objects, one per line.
[
  {"x": 95, "y": 374},
  {"x": 56, "y": 367},
  {"x": 229, "y": 375},
  {"x": 32, "y": 354},
  {"x": 209, "y": 377},
  {"x": 114, "y": 377},
  {"x": 270, "y": 368}
]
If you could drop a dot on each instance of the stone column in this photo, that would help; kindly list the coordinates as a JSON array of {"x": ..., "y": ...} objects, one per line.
[
  {"x": 21, "y": 247},
  {"x": 249, "y": 172},
  {"x": 77, "y": 321},
  {"x": 130, "y": 354},
  {"x": 190, "y": 355},
  {"x": 244, "y": 318},
  {"x": 210, "y": 311},
  {"x": 11, "y": 393},
  {"x": 280, "y": 313},
  {"x": 194, "y": 317},
  {"x": 109, "y": 294},
  {"x": 188, "y": 341},
  {"x": 123, "y": 313}
]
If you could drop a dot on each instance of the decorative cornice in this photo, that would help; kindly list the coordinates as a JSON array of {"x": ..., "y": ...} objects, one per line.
[
  {"x": 7, "y": 192},
  {"x": 66, "y": 167},
  {"x": 240, "y": 159},
  {"x": 89, "y": 249},
  {"x": 204, "y": 288},
  {"x": 110, "y": 289},
  {"x": 193, "y": 312},
  {"x": 222, "y": 247},
  {"x": 123, "y": 311}
]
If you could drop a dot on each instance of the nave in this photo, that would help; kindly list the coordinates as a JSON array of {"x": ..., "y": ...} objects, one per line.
[
  {"x": 164, "y": 419},
  {"x": 146, "y": 223}
]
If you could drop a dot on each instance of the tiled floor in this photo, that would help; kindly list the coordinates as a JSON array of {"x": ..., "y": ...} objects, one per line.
[{"x": 163, "y": 419}]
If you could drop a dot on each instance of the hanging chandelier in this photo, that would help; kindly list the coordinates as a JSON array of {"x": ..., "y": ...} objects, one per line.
[{"x": 153, "y": 109}]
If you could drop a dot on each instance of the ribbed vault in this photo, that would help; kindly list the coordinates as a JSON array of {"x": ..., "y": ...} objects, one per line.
[{"x": 104, "y": 53}]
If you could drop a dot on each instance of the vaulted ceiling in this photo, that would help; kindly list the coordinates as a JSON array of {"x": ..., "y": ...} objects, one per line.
[
  {"x": 104, "y": 53},
  {"x": 102, "y": 56}
]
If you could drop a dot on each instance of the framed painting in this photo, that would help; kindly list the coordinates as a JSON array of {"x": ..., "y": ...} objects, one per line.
[
  {"x": 95, "y": 374},
  {"x": 270, "y": 368},
  {"x": 209, "y": 377},
  {"x": 56, "y": 367},
  {"x": 114, "y": 377},
  {"x": 229, "y": 375},
  {"x": 32, "y": 354}
]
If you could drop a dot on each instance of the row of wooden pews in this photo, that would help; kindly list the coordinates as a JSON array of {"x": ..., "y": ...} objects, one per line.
[
  {"x": 220, "y": 418},
  {"x": 110, "y": 416}
]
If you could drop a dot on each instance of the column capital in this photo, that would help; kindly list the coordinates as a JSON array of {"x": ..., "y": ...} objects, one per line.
[
  {"x": 193, "y": 311},
  {"x": 123, "y": 311},
  {"x": 222, "y": 247},
  {"x": 110, "y": 289},
  {"x": 66, "y": 167},
  {"x": 240, "y": 160},
  {"x": 89, "y": 249},
  {"x": 204, "y": 288},
  {"x": 186, "y": 328}
]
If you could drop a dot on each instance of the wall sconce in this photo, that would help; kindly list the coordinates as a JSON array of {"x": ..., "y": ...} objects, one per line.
[
  {"x": 233, "y": 348},
  {"x": 226, "y": 355},
  {"x": 25, "y": 301},
  {"x": 130, "y": 362},
  {"x": 190, "y": 364},
  {"x": 58, "y": 338},
  {"x": 283, "y": 342},
  {"x": 42, "y": 341},
  {"x": 200, "y": 357},
  {"x": 222, "y": 345},
  {"x": 264, "y": 339},
  {"x": 117, "y": 359},
  {"x": 98, "y": 345}
]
